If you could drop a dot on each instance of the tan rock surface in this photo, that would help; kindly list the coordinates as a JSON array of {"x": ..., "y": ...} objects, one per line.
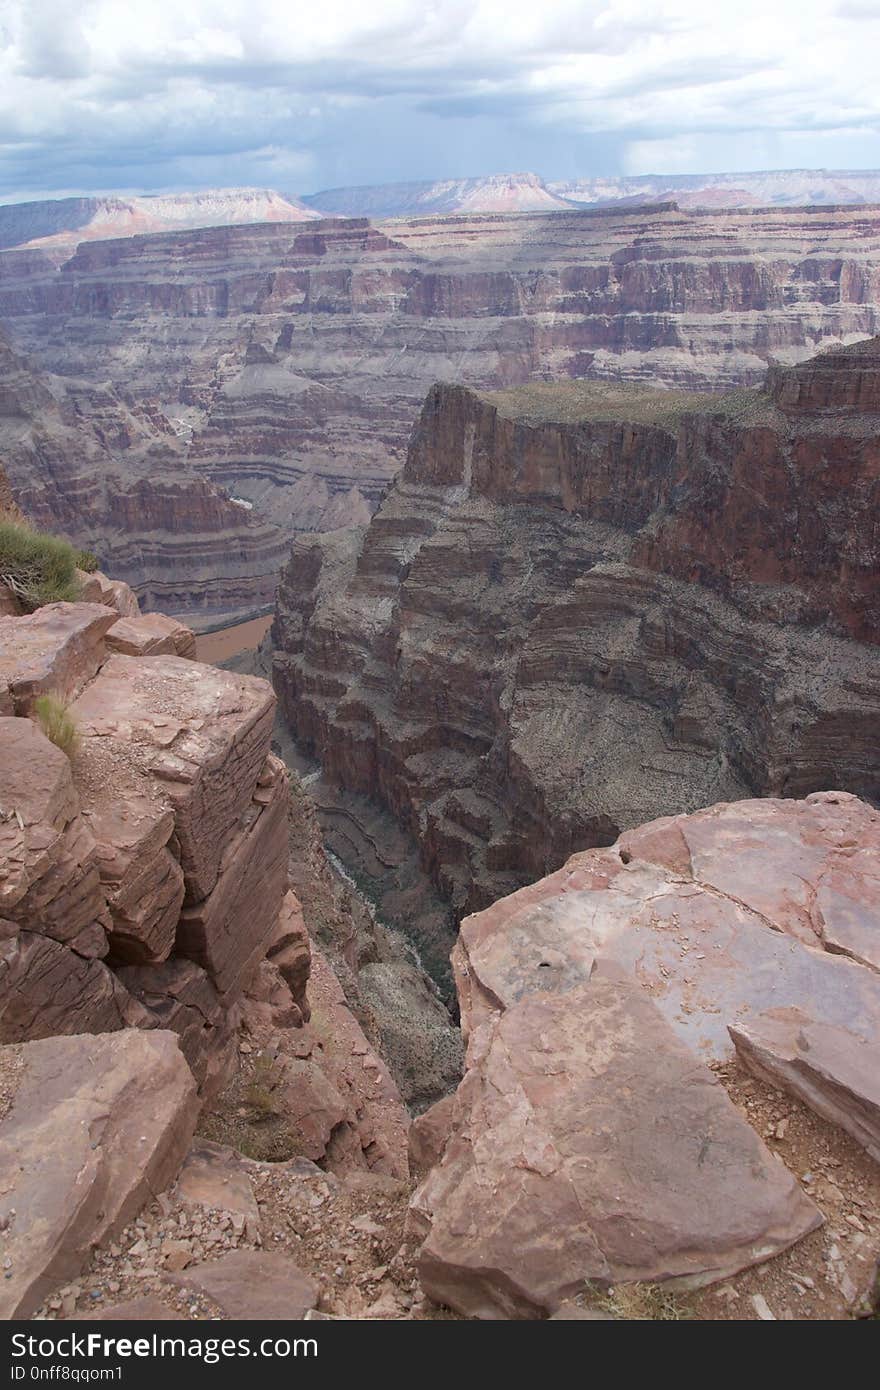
[
  {"x": 288, "y": 950},
  {"x": 178, "y": 995},
  {"x": 214, "y": 1176},
  {"x": 692, "y": 925},
  {"x": 834, "y": 1072},
  {"x": 49, "y": 877},
  {"x": 48, "y": 989},
  {"x": 112, "y": 593},
  {"x": 228, "y": 931},
  {"x": 132, "y": 823},
  {"x": 253, "y": 1286},
  {"x": 591, "y": 1145},
  {"x": 54, "y": 651},
  {"x": 202, "y": 733},
  {"x": 97, "y": 1125},
  {"x": 151, "y": 634}
]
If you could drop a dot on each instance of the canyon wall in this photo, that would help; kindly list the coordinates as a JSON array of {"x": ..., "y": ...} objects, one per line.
[
  {"x": 87, "y": 462},
  {"x": 580, "y": 607},
  {"x": 290, "y": 362}
]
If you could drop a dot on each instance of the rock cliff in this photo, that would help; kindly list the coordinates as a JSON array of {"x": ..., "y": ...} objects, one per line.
[
  {"x": 86, "y": 462},
  {"x": 144, "y": 866},
  {"x": 290, "y": 361},
  {"x": 581, "y": 607}
]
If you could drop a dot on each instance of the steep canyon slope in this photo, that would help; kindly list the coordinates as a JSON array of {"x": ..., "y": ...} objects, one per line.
[
  {"x": 87, "y": 461},
  {"x": 291, "y": 361},
  {"x": 581, "y": 607}
]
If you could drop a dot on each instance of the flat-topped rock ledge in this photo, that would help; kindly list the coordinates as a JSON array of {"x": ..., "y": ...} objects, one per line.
[{"x": 590, "y": 1138}]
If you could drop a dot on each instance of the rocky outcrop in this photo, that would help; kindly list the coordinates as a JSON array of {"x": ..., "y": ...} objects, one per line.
[
  {"x": 582, "y": 607},
  {"x": 143, "y": 871},
  {"x": 589, "y": 1139},
  {"x": 144, "y": 876},
  {"x": 290, "y": 362},
  {"x": 90, "y": 464},
  {"x": 94, "y": 1126}
]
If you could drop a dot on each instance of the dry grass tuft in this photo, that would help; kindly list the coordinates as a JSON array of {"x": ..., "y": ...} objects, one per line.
[{"x": 57, "y": 723}]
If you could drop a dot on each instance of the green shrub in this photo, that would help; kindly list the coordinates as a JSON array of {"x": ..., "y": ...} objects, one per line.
[
  {"x": 37, "y": 568},
  {"x": 86, "y": 560},
  {"x": 57, "y": 723}
]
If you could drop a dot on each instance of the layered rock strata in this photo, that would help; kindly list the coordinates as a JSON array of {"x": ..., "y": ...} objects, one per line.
[
  {"x": 589, "y": 1139},
  {"x": 289, "y": 362},
  {"x": 89, "y": 463},
  {"x": 143, "y": 876},
  {"x": 580, "y": 607}
]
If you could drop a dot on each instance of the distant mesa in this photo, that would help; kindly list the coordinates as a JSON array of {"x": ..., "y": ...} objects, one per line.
[
  {"x": 445, "y": 197},
  {"x": 64, "y": 222},
  {"x": 61, "y": 223}
]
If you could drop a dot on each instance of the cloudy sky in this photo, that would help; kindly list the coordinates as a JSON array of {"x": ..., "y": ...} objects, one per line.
[{"x": 100, "y": 94}]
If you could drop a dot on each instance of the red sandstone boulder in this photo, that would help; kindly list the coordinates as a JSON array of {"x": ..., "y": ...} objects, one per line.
[
  {"x": 151, "y": 634},
  {"x": 821, "y": 1065},
  {"x": 215, "y": 1177},
  {"x": 112, "y": 593},
  {"x": 227, "y": 932},
  {"x": 202, "y": 734},
  {"x": 55, "y": 650},
  {"x": 253, "y": 1286},
  {"x": 430, "y": 1133},
  {"x": 591, "y": 1145},
  {"x": 49, "y": 879},
  {"x": 97, "y": 1126},
  {"x": 588, "y": 1001}
]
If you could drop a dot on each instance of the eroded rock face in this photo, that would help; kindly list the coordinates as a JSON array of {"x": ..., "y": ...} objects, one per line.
[
  {"x": 580, "y": 608},
  {"x": 97, "y": 1125},
  {"x": 201, "y": 733},
  {"x": 296, "y": 359},
  {"x": 141, "y": 878},
  {"x": 591, "y": 1002},
  {"x": 56, "y": 650},
  {"x": 87, "y": 463}
]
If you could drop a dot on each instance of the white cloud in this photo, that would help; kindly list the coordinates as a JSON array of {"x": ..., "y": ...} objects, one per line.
[{"x": 95, "y": 91}]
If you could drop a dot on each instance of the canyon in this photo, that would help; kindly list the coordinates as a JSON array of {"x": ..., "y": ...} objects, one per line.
[
  {"x": 669, "y": 1106},
  {"x": 580, "y": 607},
  {"x": 89, "y": 462},
  {"x": 284, "y": 364}
]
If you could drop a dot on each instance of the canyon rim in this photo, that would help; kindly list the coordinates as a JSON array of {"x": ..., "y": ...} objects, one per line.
[{"x": 439, "y": 672}]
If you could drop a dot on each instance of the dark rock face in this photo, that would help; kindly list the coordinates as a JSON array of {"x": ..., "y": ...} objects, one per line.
[
  {"x": 85, "y": 462},
  {"x": 291, "y": 361},
  {"x": 580, "y": 608}
]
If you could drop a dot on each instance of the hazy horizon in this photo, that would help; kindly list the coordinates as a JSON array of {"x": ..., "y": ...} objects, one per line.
[
  {"x": 7, "y": 199},
  {"x": 96, "y": 98}
]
